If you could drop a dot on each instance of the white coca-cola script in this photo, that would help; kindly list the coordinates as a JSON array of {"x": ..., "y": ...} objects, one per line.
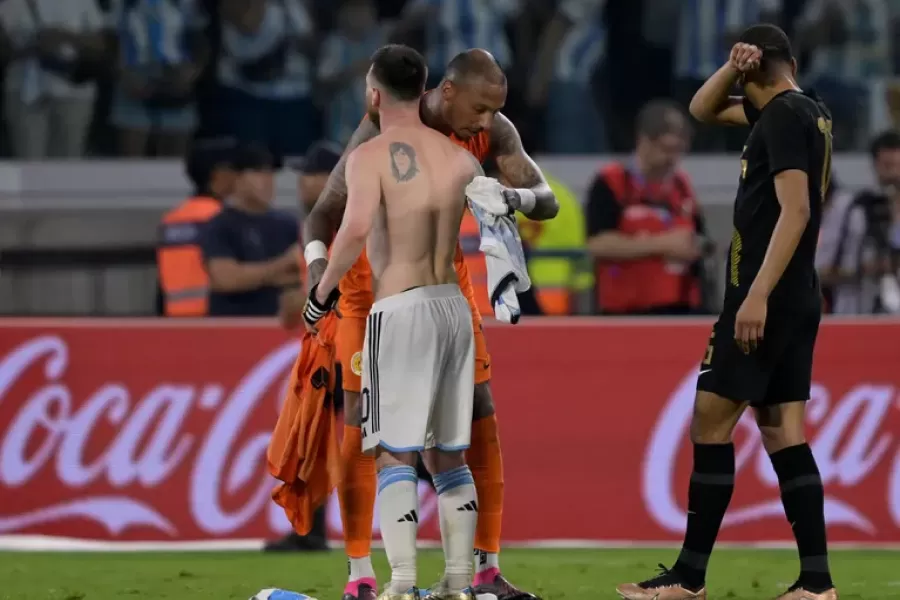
[
  {"x": 149, "y": 445},
  {"x": 852, "y": 438}
]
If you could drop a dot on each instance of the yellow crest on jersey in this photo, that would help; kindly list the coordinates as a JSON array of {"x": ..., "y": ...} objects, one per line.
[{"x": 356, "y": 363}]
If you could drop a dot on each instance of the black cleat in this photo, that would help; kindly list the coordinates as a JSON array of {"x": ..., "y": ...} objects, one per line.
[
  {"x": 503, "y": 589},
  {"x": 294, "y": 542}
]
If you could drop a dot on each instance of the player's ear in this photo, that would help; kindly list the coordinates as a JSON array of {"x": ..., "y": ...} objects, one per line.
[
  {"x": 376, "y": 97},
  {"x": 448, "y": 90},
  {"x": 794, "y": 68}
]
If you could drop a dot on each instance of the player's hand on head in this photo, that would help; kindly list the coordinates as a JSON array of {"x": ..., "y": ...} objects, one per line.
[
  {"x": 745, "y": 57},
  {"x": 750, "y": 322}
]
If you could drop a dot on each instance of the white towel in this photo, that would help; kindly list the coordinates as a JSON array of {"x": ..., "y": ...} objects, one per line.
[
  {"x": 487, "y": 194},
  {"x": 507, "y": 271}
]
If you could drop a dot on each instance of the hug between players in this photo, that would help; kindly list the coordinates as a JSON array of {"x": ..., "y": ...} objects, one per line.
[{"x": 760, "y": 350}]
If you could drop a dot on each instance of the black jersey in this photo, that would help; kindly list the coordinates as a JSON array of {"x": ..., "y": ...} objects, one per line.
[{"x": 793, "y": 131}]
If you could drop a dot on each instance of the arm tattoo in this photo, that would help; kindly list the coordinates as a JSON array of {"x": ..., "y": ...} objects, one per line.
[
  {"x": 324, "y": 219},
  {"x": 403, "y": 162},
  {"x": 519, "y": 170}
]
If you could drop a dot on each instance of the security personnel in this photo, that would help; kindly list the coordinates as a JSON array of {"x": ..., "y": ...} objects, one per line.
[
  {"x": 183, "y": 282},
  {"x": 644, "y": 225}
]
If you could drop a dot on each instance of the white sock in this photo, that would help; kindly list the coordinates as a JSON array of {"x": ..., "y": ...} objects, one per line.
[
  {"x": 458, "y": 506},
  {"x": 398, "y": 503},
  {"x": 361, "y": 567},
  {"x": 486, "y": 560}
]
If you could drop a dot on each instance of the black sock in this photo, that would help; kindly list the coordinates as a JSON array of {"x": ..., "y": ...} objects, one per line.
[
  {"x": 712, "y": 483},
  {"x": 804, "y": 505}
]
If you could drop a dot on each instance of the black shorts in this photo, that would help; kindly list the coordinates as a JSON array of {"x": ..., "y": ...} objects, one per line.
[{"x": 778, "y": 371}]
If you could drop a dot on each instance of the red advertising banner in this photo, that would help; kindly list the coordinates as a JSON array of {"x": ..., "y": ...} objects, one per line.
[{"x": 156, "y": 431}]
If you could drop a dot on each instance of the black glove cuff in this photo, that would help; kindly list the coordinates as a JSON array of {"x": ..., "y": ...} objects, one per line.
[{"x": 314, "y": 311}]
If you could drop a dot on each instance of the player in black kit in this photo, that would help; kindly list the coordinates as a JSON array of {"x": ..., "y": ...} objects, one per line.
[{"x": 761, "y": 349}]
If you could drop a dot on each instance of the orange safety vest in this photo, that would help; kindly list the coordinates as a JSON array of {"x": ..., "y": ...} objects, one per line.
[
  {"x": 179, "y": 258},
  {"x": 470, "y": 242},
  {"x": 653, "y": 282}
]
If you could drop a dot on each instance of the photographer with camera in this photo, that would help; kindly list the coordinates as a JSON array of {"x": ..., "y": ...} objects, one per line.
[
  {"x": 884, "y": 210},
  {"x": 858, "y": 257}
]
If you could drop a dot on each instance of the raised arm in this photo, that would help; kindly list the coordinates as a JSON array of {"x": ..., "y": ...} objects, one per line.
[
  {"x": 363, "y": 199},
  {"x": 323, "y": 220},
  {"x": 712, "y": 102},
  {"x": 535, "y": 198}
]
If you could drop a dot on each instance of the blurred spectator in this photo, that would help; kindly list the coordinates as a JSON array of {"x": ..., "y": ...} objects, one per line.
[
  {"x": 55, "y": 50},
  {"x": 162, "y": 52},
  {"x": 846, "y": 275},
  {"x": 287, "y": 72},
  {"x": 707, "y": 29},
  {"x": 570, "y": 50},
  {"x": 250, "y": 249},
  {"x": 849, "y": 44},
  {"x": 183, "y": 282},
  {"x": 313, "y": 170},
  {"x": 312, "y": 175},
  {"x": 555, "y": 250},
  {"x": 266, "y": 74},
  {"x": 343, "y": 64},
  {"x": 452, "y": 26},
  {"x": 644, "y": 224}
]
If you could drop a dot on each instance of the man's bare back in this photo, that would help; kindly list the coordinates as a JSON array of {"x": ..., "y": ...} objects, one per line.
[{"x": 422, "y": 177}]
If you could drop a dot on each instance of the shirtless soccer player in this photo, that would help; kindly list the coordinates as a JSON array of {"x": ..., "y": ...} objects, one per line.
[
  {"x": 406, "y": 196},
  {"x": 465, "y": 107}
]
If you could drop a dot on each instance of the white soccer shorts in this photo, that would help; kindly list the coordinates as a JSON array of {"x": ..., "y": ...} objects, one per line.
[{"x": 419, "y": 371}]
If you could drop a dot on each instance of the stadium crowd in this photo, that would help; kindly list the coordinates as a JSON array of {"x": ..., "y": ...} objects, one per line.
[
  {"x": 137, "y": 78},
  {"x": 141, "y": 77}
]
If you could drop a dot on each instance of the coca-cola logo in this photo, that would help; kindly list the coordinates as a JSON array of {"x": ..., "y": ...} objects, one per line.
[
  {"x": 51, "y": 430},
  {"x": 851, "y": 440}
]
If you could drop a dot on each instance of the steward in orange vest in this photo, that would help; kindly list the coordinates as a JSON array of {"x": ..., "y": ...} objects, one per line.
[{"x": 183, "y": 282}]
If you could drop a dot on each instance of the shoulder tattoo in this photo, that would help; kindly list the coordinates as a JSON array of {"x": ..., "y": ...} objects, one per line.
[{"x": 403, "y": 161}]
